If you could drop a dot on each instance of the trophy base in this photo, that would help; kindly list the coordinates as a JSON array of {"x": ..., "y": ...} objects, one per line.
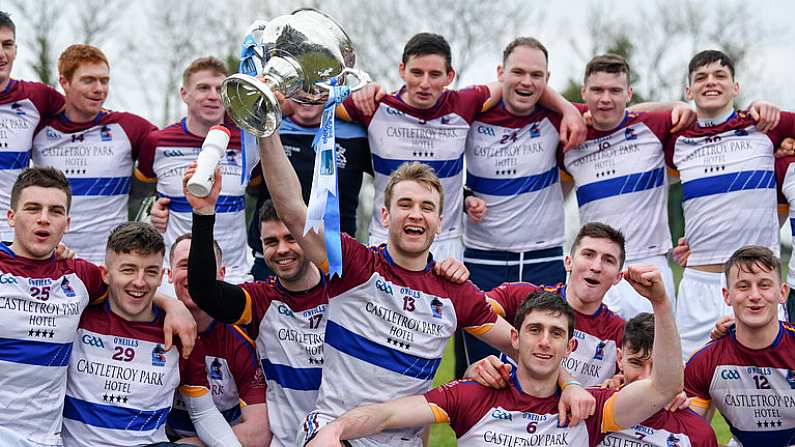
[{"x": 251, "y": 104}]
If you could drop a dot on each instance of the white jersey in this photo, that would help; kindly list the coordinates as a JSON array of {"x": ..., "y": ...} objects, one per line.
[
  {"x": 23, "y": 105},
  {"x": 386, "y": 332},
  {"x": 511, "y": 164},
  {"x": 97, "y": 158},
  {"x": 164, "y": 158},
  {"x": 288, "y": 329},
  {"x": 785, "y": 174},
  {"x": 621, "y": 181},
  {"x": 399, "y": 133},
  {"x": 40, "y": 308},
  {"x": 121, "y": 381},
  {"x": 723, "y": 168}
]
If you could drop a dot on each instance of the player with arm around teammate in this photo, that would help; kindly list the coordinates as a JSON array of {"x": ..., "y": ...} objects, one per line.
[{"x": 523, "y": 413}]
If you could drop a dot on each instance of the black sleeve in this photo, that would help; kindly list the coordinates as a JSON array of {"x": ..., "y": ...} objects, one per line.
[{"x": 223, "y": 301}]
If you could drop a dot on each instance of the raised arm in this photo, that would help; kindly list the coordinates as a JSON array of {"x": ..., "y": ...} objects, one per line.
[
  {"x": 639, "y": 400},
  {"x": 413, "y": 411},
  {"x": 572, "y": 125}
]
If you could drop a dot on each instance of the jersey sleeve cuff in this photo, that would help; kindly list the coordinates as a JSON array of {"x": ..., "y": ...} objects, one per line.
[
  {"x": 609, "y": 416},
  {"x": 193, "y": 391},
  {"x": 701, "y": 403},
  {"x": 439, "y": 415},
  {"x": 496, "y": 307},
  {"x": 479, "y": 330},
  {"x": 245, "y": 317},
  {"x": 143, "y": 177}
]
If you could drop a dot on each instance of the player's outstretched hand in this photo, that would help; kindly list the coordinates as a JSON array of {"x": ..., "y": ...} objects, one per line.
[
  {"x": 787, "y": 148},
  {"x": 475, "y": 207},
  {"x": 179, "y": 321},
  {"x": 158, "y": 216},
  {"x": 647, "y": 281},
  {"x": 765, "y": 114},
  {"x": 721, "y": 327},
  {"x": 681, "y": 252},
  {"x": 202, "y": 205},
  {"x": 452, "y": 269},
  {"x": 62, "y": 251},
  {"x": 682, "y": 116},
  {"x": 572, "y": 130},
  {"x": 613, "y": 383},
  {"x": 575, "y": 404},
  {"x": 366, "y": 99},
  {"x": 680, "y": 402},
  {"x": 490, "y": 372}
]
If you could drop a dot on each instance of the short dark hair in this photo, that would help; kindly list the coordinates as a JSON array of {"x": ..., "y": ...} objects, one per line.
[
  {"x": 607, "y": 63},
  {"x": 751, "y": 259},
  {"x": 44, "y": 177},
  {"x": 530, "y": 42},
  {"x": 423, "y": 44},
  {"x": 136, "y": 236},
  {"x": 707, "y": 57},
  {"x": 598, "y": 230},
  {"x": 267, "y": 213},
  {"x": 219, "y": 254},
  {"x": 6, "y": 22},
  {"x": 639, "y": 335},
  {"x": 545, "y": 301}
]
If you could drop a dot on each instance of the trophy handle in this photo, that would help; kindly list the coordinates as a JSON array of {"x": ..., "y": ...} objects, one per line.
[
  {"x": 360, "y": 79},
  {"x": 251, "y": 104}
]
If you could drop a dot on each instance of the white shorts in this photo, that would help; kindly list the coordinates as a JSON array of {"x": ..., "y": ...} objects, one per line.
[
  {"x": 626, "y": 302},
  {"x": 441, "y": 249},
  {"x": 315, "y": 421},
  {"x": 698, "y": 307}
]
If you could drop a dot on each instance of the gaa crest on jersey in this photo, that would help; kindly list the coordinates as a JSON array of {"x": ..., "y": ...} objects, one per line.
[
  {"x": 158, "y": 356},
  {"x": 51, "y": 134},
  {"x": 67, "y": 289},
  {"x": 436, "y": 308},
  {"x": 216, "y": 370},
  {"x": 105, "y": 133}
]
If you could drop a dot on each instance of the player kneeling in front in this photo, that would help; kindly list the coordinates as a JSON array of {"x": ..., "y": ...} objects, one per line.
[{"x": 524, "y": 413}]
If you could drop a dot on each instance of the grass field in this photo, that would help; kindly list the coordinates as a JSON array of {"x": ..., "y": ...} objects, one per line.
[{"x": 443, "y": 436}]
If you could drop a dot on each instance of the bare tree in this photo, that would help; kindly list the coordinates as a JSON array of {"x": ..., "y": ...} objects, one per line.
[
  {"x": 42, "y": 19},
  {"x": 95, "y": 19}
]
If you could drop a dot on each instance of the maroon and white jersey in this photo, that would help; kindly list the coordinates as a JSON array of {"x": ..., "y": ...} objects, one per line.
[
  {"x": 728, "y": 185},
  {"x": 785, "y": 179},
  {"x": 121, "y": 381},
  {"x": 754, "y": 389},
  {"x": 621, "y": 181},
  {"x": 233, "y": 372},
  {"x": 40, "y": 307},
  {"x": 288, "y": 328},
  {"x": 164, "y": 158},
  {"x": 97, "y": 158},
  {"x": 400, "y": 133},
  {"x": 511, "y": 164},
  {"x": 387, "y": 329},
  {"x": 593, "y": 359},
  {"x": 23, "y": 107},
  {"x": 482, "y": 416},
  {"x": 682, "y": 428}
]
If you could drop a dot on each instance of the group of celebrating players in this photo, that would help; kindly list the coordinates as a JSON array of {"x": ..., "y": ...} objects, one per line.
[{"x": 590, "y": 347}]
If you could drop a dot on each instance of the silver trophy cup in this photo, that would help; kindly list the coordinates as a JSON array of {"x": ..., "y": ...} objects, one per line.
[{"x": 299, "y": 55}]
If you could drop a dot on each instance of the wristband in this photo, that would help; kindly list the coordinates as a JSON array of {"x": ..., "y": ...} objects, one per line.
[{"x": 570, "y": 382}]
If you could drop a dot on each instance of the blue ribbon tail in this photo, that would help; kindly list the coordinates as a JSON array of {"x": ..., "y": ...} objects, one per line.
[{"x": 332, "y": 233}]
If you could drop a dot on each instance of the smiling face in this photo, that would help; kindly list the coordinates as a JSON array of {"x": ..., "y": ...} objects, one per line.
[
  {"x": 201, "y": 93},
  {"x": 413, "y": 218},
  {"x": 426, "y": 77},
  {"x": 132, "y": 279},
  {"x": 282, "y": 253},
  {"x": 754, "y": 293},
  {"x": 524, "y": 78},
  {"x": 606, "y": 95},
  {"x": 39, "y": 220},
  {"x": 595, "y": 266},
  {"x": 713, "y": 89},
  {"x": 178, "y": 273},
  {"x": 542, "y": 341},
  {"x": 8, "y": 52},
  {"x": 86, "y": 91}
]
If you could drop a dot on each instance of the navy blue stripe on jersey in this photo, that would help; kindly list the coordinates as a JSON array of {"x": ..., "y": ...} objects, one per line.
[
  {"x": 443, "y": 168},
  {"x": 792, "y": 225},
  {"x": 225, "y": 204},
  {"x": 766, "y": 437},
  {"x": 14, "y": 160},
  {"x": 639, "y": 181},
  {"x": 512, "y": 186},
  {"x": 735, "y": 181},
  {"x": 179, "y": 419},
  {"x": 342, "y": 129},
  {"x": 35, "y": 352},
  {"x": 100, "y": 186},
  {"x": 363, "y": 349},
  {"x": 304, "y": 379},
  {"x": 113, "y": 417}
]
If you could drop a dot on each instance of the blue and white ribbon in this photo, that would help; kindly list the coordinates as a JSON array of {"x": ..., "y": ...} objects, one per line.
[
  {"x": 324, "y": 206},
  {"x": 249, "y": 143}
]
